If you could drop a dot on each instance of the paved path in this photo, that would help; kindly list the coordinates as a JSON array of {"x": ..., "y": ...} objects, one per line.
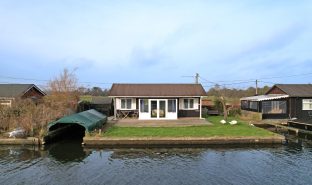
[{"x": 161, "y": 123}]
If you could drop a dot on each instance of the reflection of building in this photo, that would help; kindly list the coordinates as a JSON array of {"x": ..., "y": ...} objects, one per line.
[
  {"x": 157, "y": 101},
  {"x": 9, "y": 92},
  {"x": 67, "y": 151},
  {"x": 282, "y": 101}
]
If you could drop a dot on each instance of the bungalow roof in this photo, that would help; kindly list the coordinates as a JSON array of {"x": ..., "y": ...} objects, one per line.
[{"x": 157, "y": 90}]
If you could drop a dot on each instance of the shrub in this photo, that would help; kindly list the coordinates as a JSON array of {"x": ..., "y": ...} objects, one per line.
[{"x": 235, "y": 112}]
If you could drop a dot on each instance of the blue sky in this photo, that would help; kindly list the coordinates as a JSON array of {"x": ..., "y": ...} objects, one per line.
[{"x": 156, "y": 41}]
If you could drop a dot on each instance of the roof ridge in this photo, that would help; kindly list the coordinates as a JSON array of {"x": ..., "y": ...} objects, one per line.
[
  {"x": 293, "y": 84},
  {"x": 155, "y": 84}
]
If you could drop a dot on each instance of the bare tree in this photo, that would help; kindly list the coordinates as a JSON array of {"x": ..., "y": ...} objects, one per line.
[
  {"x": 66, "y": 82},
  {"x": 64, "y": 93},
  {"x": 221, "y": 96}
]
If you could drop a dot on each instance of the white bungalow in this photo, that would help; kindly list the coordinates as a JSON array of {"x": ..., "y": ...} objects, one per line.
[{"x": 157, "y": 101}]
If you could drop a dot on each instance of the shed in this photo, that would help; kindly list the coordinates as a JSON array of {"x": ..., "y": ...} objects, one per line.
[{"x": 101, "y": 104}]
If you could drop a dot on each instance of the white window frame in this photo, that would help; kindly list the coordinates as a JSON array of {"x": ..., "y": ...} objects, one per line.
[
  {"x": 307, "y": 102},
  {"x": 189, "y": 100},
  {"x": 126, "y": 107},
  {"x": 6, "y": 103}
]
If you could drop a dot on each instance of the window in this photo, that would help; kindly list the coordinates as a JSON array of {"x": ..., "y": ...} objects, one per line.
[
  {"x": 274, "y": 107},
  {"x": 144, "y": 105},
  {"x": 253, "y": 105},
  {"x": 244, "y": 104},
  {"x": 5, "y": 102},
  {"x": 172, "y": 106},
  {"x": 307, "y": 104},
  {"x": 126, "y": 103},
  {"x": 189, "y": 103}
]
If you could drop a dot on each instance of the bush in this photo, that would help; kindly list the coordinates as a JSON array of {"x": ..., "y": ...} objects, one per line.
[
  {"x": 204, "y": 112},
  {"x": 218, "y": 105},
  {"x": 235, "y": 112},
  {"x": 32, "y": 116}
]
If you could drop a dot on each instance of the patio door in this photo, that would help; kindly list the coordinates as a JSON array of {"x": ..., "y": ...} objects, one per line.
[
  {"x": 154, "y": 109},
  {"x": 158, "y": 108},
  {"x": 162, "y": 109}
]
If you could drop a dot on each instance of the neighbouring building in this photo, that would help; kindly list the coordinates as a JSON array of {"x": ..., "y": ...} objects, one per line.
[
  {"x": 10, "y": 92},
  {"x": 282, "y": 101},
  {"x": 99, "y": 103},
  {"x": 157, "y": 101}
]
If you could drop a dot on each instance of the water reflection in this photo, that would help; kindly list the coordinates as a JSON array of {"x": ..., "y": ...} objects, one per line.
[
  {"x": 67, "y": 162},
  {"x": 20, "y": 153},
  {"x": 67, "y": 151},
  {"x": 162, "y": 153}
]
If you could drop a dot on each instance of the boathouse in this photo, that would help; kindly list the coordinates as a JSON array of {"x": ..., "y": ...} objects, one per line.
[
  {"x": 75, "y": 125},
  {"x": 157, "y": 101},
  {"x": 282, "y": 101}
]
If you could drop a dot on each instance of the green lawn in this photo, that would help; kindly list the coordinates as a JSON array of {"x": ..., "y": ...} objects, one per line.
[{"x": 217, "y": 129}]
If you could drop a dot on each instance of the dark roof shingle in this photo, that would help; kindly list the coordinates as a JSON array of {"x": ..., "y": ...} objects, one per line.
[
  {"x": 157, "y": 90},
  {"x": 296, "y": 90}
]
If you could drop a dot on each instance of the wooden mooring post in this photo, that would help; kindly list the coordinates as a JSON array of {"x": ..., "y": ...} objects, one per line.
[{"x": 296, "y": 130}]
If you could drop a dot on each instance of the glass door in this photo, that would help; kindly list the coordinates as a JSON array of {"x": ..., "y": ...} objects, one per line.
[
  {"x": 154, "y": 111},
  {"x": 162, "y": 108}
]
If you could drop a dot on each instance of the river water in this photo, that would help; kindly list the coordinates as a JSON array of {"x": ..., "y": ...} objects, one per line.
[{"x": 69, "y": 163}]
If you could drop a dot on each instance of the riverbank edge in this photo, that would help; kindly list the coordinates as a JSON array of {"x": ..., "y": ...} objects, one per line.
[
  {"x": 20, "y": 141},
  {"x": 179, "y": 141}
]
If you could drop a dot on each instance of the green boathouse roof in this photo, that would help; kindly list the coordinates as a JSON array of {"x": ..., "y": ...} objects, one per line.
[{"x": 90, "y": 120}]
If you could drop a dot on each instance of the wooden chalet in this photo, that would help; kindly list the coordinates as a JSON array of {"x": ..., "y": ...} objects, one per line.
[
  {"x": 10, "y": 92},
  {"x": 282, "y": 101}
]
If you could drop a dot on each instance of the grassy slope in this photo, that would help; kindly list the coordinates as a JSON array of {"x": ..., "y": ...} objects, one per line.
[{"x": 217, "y": 129}]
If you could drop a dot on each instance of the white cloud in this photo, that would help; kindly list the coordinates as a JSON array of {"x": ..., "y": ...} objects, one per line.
[{"x": 186, "y": 37}]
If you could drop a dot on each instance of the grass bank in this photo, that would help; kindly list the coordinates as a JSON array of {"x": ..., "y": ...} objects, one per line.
[{"x": 217, "y": 129}]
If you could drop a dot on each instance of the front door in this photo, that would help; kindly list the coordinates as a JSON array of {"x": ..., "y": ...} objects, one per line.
[
  {"x": 158, "y": 109},
  {"x": 154, "y": 109},
  {"x": 162, "y": 109}
]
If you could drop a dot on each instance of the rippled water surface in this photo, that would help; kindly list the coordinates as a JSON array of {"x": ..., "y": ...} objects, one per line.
[{"x": 69, "y": 163}]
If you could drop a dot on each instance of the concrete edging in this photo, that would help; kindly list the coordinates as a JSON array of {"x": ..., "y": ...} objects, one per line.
[
  {"x": 179, "y": 141},
  {"x": 19, "y": 141}
]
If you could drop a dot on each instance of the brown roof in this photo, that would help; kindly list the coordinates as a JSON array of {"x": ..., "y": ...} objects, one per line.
[
  {"x": 295, "y": 90},
  {"x": 157, "y": 90},
  {"x": 207, "y": 102}
]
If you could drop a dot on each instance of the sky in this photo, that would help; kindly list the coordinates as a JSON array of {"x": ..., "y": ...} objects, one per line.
[{"x": 103, "y": 42}]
